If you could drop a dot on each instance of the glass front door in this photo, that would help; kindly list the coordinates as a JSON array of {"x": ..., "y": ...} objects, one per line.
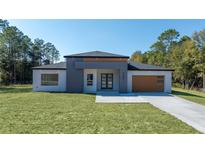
[{"x": 106, "y": 81}]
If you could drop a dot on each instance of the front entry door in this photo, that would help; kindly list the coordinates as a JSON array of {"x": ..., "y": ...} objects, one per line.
[{"x": 106, "y": 81}]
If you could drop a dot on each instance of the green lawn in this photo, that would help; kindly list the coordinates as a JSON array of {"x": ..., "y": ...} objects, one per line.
[
  {"x": 24, "y": 111},
  {"x": 192, "y": 95}
]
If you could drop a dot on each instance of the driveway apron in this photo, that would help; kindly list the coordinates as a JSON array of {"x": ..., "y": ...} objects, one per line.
[{"x": 189, "y": 112}]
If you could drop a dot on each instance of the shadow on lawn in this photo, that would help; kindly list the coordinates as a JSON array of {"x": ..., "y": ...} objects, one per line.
[
  {"x": 15, "y": 90},
  {"x": 185, "y": 94}
]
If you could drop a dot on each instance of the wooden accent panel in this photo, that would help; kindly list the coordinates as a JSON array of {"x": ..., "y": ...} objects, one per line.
[
  {"x": 147, "y": 83},
  {"x": 105, "y": 59}
]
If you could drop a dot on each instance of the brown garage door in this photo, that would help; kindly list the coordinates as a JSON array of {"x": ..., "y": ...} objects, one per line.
[{"x": 147, "y": 83}]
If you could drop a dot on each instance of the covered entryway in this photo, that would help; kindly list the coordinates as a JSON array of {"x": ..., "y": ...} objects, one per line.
[
  {"x": 108, "y": 80},
  {"x": 143, "y": 83},
  {"x": 96, "y": 80}
]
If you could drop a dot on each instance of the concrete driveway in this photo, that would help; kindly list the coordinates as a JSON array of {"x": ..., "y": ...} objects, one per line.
[{"x": 191, "y": 113}]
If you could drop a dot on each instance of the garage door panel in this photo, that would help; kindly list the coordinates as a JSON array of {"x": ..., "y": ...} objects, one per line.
[{"x": 147, "y": 83}]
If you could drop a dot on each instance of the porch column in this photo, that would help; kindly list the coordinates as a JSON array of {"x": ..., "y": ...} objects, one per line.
[{"x": 123, "y": 80}]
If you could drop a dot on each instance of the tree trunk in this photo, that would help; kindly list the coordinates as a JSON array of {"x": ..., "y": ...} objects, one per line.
[
  {"x": 192, "y": 85},
  {"x": 184, "y": 84}
]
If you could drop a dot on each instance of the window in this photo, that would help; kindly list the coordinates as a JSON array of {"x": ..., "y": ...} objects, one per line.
[
  {"x": 89, "y": 79},
  {"x": 106, "y": 81},
  {"x": 49, "y": 79}
]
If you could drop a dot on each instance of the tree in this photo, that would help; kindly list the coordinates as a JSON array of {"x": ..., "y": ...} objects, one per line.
[
  {"x": 160, "y": 50},
  {"x": 166, "y": 40},
  {"x": 137, "y": 56},
  {"x": 199, "y": 38},
  {"x": 10, "y": 51},
  {"x": 3, "y": 24},
  {"x": 24, "y": 63},
  {"x": 37, "y": 52},
  {"x": 18, "y": 54},
  {"x": 50, "y": 53},
  {"x": 185, "y": 57},
  {"x": 154, "y": 58}
]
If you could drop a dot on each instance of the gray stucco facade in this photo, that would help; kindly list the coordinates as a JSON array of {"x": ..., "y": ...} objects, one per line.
[
  {"x": 74, "y": 77},
  {"x": 75, "y": 73}
]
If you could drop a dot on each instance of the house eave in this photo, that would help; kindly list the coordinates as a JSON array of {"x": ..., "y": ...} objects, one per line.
[
  {"x": 151, "y": 70},
  {"x": 96, "y": 57},
  {"x": 48, "y": 68}
]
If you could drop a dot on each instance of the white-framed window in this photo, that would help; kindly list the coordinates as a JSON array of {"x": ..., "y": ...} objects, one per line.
[
  {"x": 49, "y": 79},
  {"x": 89, "y": 79}
]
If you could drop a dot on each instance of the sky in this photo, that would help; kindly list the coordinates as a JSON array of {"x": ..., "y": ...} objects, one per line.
[{"x": 116, "y": 36}]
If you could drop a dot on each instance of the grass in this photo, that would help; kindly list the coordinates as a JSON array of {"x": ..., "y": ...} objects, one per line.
[
  {"x": 24, "y": 111},
  {"x": 192, "y": 95}
]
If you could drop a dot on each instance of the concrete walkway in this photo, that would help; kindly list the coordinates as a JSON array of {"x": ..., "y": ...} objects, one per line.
[
  {"x": 115, "y": 97},
  {"x": 191, "y": 113}
]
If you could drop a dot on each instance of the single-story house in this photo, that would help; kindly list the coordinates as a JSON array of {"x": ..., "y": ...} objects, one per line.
[{"x": 96, "y": 71}]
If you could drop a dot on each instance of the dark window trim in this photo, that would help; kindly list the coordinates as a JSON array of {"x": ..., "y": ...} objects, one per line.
[
  {"x": 49, "y": 84},
  {"x": 106, "y": 74},
  {"x": 91, "y": 80}
]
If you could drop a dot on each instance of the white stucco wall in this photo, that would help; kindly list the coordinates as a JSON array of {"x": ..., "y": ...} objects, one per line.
[
  {"x": 167, "y": 77},
  {"x": 93, "y": 88},
  {"x": 116, "y": 76},
  {"x": 61, "y": 87}
]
